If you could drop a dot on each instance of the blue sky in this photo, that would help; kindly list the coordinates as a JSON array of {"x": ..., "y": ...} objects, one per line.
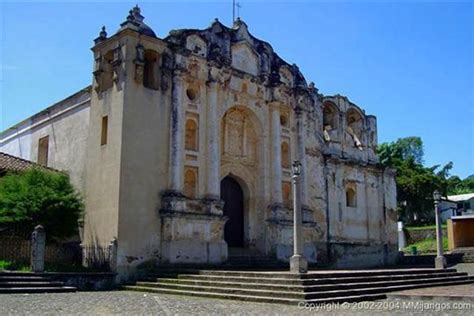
[{"x": 410, "y": 64}]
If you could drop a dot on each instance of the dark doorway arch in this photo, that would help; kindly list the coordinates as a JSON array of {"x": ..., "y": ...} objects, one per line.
[{"x": 233, "y": 197}]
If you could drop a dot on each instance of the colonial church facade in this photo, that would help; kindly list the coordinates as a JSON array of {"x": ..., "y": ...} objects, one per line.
[{"x": 182, "y": 148}]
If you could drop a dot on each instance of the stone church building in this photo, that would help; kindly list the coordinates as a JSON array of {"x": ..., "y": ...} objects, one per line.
[{"x": 182, "y": 148}]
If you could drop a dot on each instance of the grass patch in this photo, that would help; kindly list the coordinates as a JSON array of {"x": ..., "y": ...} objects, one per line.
[
  {"x": 14, "y": 265},
  {"x": 427, "y": 246},
  {"x": 430, "y": 227}
]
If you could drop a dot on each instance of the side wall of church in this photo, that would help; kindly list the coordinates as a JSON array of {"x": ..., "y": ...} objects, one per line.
[{"x": 65, "y": 125}]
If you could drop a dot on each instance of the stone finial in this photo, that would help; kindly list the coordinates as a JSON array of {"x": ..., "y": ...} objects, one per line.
[
  {"x": 135, "y": 22},
  {"x": 136, "y": 12},
  {"x": 312, "y": 88},
  {"x": 238, "y": 23},
  {"x": 130, "y": 17},
  {"x": 103, "y": 33},
  {"x": 102, "y": 36}
]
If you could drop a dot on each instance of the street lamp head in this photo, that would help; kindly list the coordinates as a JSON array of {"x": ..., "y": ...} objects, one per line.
[
  {"x": 296, "y": 168},
  {"x": 436, "y": 196}
]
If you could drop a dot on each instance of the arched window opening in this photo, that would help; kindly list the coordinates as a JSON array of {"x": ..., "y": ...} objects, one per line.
[
  {"x": 150, "y": 70},
  {"x": 107, "y": 76},
  {"x": 329, "y": 116},
  {"x": 190, "y": 183},
  {"x": 330, "y": 121},
  {"x": 355, "y": 124},
  {"x": 191, "y": 141},
  {"x": 351, "y": 197},
  {"x": 191, "y": 93},
  {"x": 285, "y": 155},
  {"x": 284, "y": 120}
]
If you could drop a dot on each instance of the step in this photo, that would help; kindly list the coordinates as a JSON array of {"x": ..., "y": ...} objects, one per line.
[
  {"x": 269, "y": 296},
  {"x": 30, "y": 284},
  {"x": 212, "y": 278},
  {"x": 23, "y": 278},
  {"x": 289, "y": 287},
  {"x": 19, "y": 273},
  {"x": 311, "y": 292},
  {"x": 262, "y": 299},
  {"x": 386, "y": 289},
  {"x": 62, "y": 289},
  {"x": 321, "y": 274}
]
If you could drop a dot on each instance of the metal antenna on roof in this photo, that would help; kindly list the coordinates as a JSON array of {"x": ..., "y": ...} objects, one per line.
[
  {"x": 238, "y": 6},
  {"x": 238, "y": 9},
  {"x": 233, "y": 11}
]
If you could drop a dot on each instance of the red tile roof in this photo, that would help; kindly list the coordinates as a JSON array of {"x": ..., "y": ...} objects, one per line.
[{"x": 13, "y": 163}]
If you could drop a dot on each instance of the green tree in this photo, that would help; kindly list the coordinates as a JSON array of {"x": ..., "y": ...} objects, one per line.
[
  {"x": 41, "y": 197},
  {"x": 415, "y": 183},
  {"x": 403, "y": 149},
  {"x": 458, "y": 186}
]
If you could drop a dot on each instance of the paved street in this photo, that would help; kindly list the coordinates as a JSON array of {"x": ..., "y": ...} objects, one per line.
[{"x": 135, "y": 303}]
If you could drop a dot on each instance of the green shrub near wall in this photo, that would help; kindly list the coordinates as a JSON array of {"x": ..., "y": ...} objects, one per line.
[{"x": 39, "y": 196}]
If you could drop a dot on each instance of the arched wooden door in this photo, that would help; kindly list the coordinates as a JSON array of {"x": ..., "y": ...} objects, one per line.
[{"x": 233, "y": 197}]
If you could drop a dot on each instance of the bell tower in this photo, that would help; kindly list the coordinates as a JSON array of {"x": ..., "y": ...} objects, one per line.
[{"x": 127, "y": 157}]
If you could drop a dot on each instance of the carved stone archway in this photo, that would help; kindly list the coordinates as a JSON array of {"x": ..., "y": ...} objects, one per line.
[{"x": 242, "y": 160}]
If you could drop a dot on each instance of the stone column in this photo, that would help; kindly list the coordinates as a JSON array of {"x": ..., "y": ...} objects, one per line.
[
  {"x": 213, "y": 162},
  {"x": 277, "y": 196},
  {"x": 298, "y": 263},
  {"x": 38, "y": 244},
  {"x": 300, "y": 153},
  {"x": 176, "y": 133},
  {"x": 440, "y": 260}
]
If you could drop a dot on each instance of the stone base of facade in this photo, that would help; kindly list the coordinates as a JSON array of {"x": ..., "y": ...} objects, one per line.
[
  {"x": 280, "y": 240},
  {"x": 361, "y": 255},
  {"x": 192, "y": 231},
  {"x": 194, "y": 251}
]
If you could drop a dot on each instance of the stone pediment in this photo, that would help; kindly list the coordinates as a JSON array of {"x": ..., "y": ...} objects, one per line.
[
  {"x": 245, "y": 58},
  {"x": 238, "y": 48}
]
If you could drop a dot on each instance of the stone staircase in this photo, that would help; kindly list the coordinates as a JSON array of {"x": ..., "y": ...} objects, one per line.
[
  {"x": 467, "y": 254},
  {"x": 241, "y": 262},
  {"x": 28, "y": 282},
  {"x": 248, "y": 259},
  {"x": 284, "y": 287}
]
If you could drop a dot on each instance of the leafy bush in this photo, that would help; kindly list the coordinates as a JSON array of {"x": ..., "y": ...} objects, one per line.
[{"x": 43, "y": 197}]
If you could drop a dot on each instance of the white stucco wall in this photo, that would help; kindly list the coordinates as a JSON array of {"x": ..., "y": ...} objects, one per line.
[{"x": 67, "y": 124}]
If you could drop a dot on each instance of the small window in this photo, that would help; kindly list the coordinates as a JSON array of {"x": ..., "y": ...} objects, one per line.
[
  {"x": 190, "y": 182},
  {"x": 285, "y": 155},
  {"x": 150, "y": 71},
  {"x": 284, "y": 120},
  {"x": 351, "y": 197},
  {"x": 286, "y": 192},
  {"x": 244, "y": 88},
  {"x": 107, "y": 78},
  {"x": 105, "y": 126},
  {"x": 191, "y": 136},
  {"x": 43, "y": 149}
]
